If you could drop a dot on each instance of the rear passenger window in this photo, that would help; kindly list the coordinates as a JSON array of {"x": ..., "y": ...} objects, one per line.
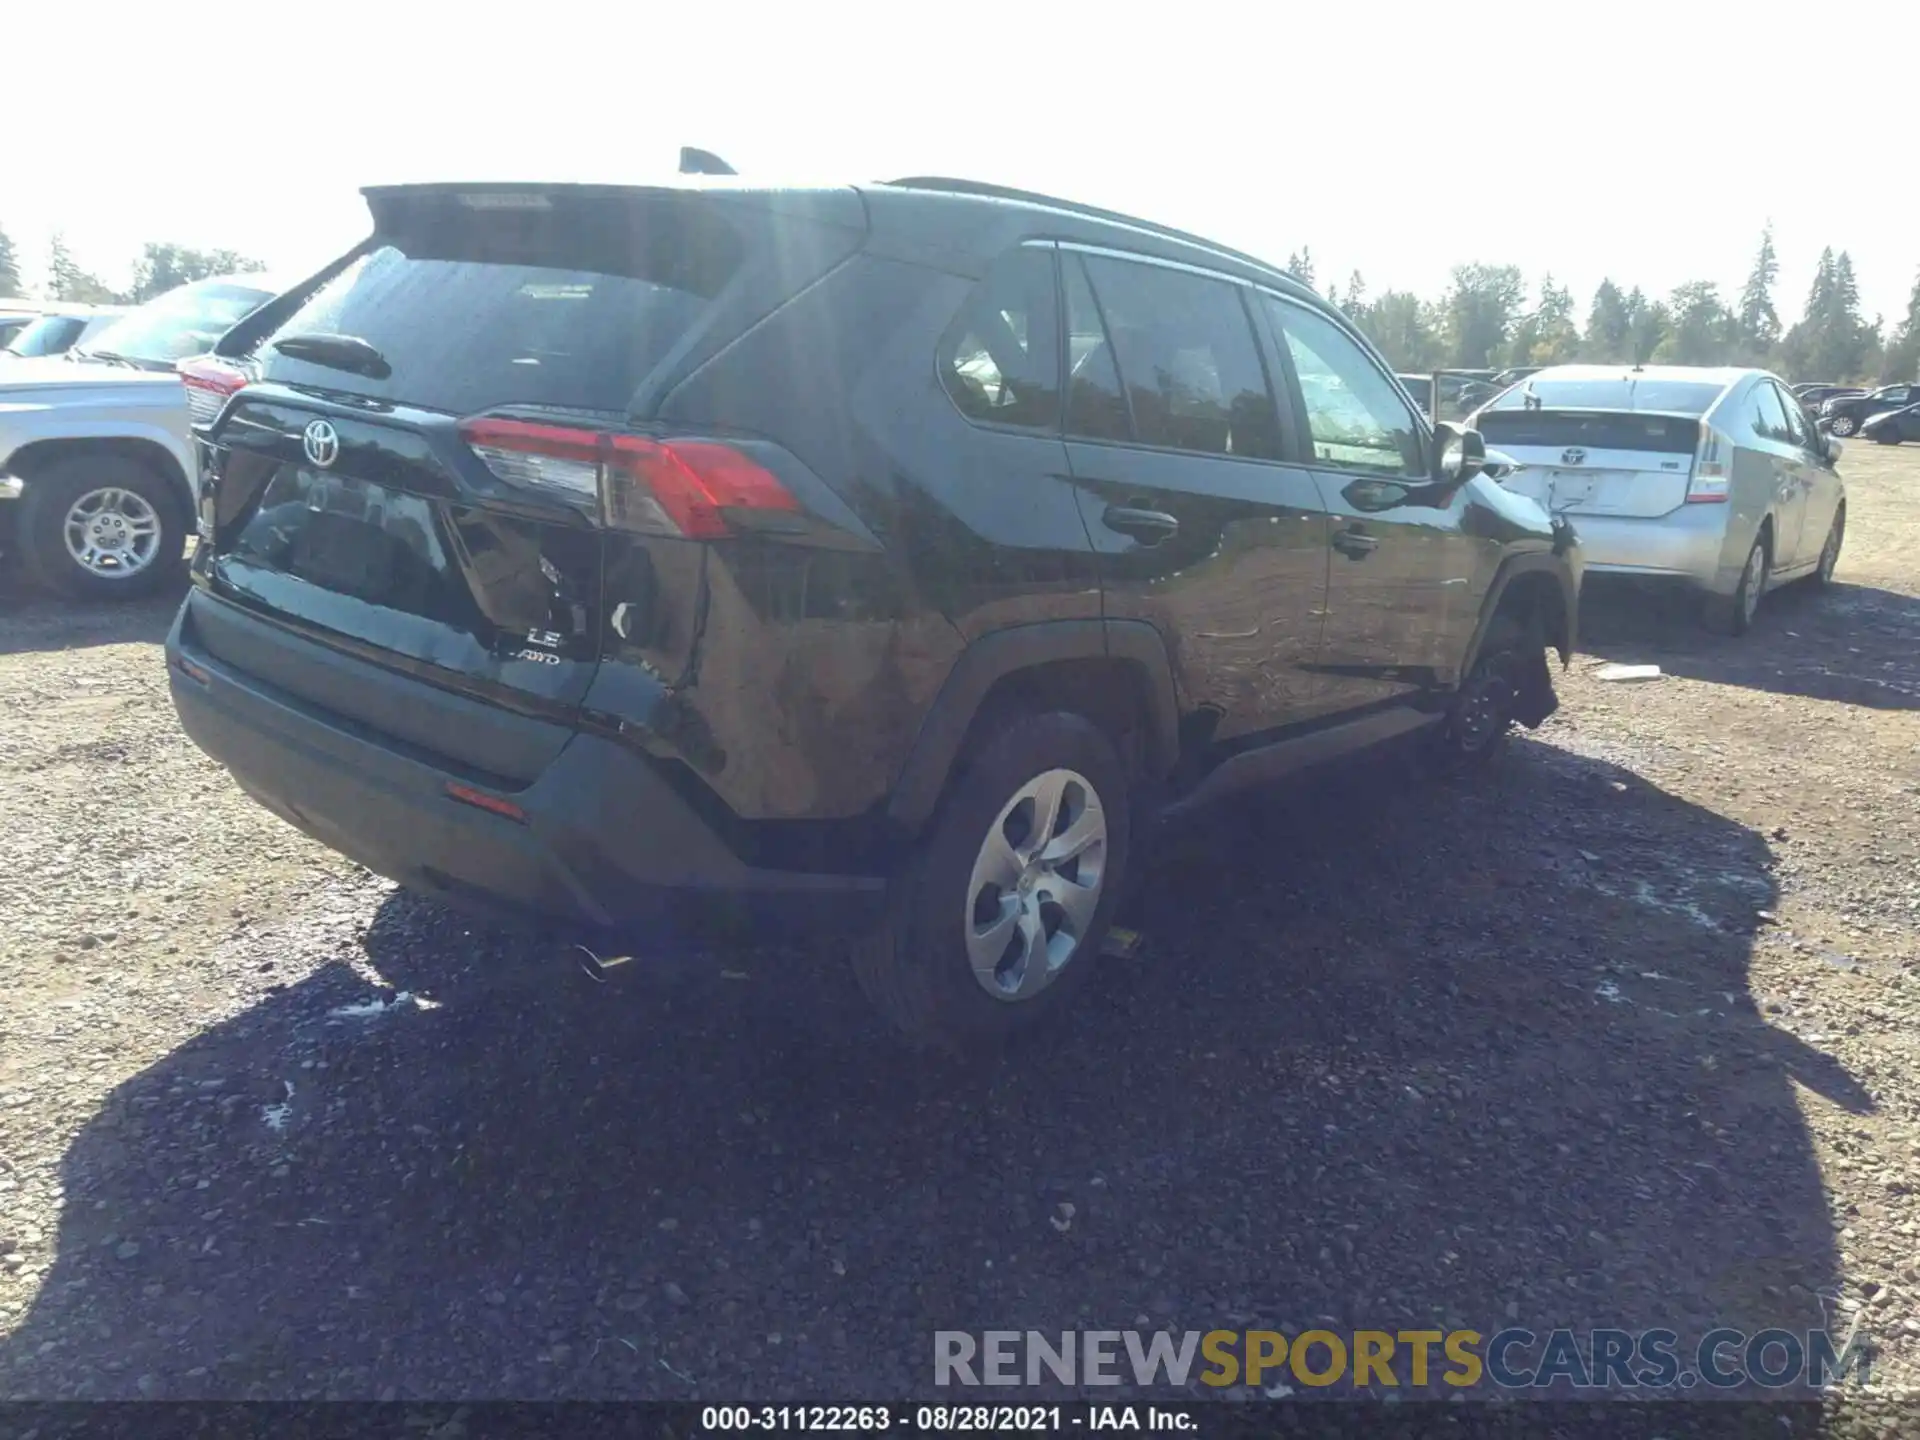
[
  {"x": 1799, "y": 431},
  {"x": 1000, "y": 360},
  {"x": 1769, "y": 415},
  {"x": 1188, "y": 358},
  {"x": 1357, "y": 419}
]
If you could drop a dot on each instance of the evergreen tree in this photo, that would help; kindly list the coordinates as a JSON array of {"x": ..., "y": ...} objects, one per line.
[
  {"x": 1647, "y": 324},
  {"x": 1555, "y": 339},
  {"x": 1759, "y": 322},
  {"x": 9, "y": 266},
  {"x": 1901, "y": 363},
  {"x": 1703, "y": 332},
  {"x": 1300, "y": 266},
  {"x": 1481, "y": 309},
  {"x": 1609, "y": 325}
]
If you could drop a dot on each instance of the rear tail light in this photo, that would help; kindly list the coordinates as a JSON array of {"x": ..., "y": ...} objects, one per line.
[
  {"x": 687, "y": 488},
  {"x": 209, "y": 382},
  {"x": 1712, "y": 470}
]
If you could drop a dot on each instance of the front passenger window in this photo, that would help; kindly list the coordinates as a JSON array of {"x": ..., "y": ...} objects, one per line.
[{"x": 1356, "y": 418}]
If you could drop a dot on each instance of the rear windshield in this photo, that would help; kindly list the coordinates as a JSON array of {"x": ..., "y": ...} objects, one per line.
[
  {"x": 1683, "y": 397},
  {"x": 473, "y": 311},
  {"x": 183, "y": 322},
  {"x": 48, "y": 335},
  {"x": 1665, "y": 434}
]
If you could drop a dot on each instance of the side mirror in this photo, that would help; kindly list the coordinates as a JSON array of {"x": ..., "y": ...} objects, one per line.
[
  {"x": 1459, "y": 454},
  {"x": 1498, "y": 466}
]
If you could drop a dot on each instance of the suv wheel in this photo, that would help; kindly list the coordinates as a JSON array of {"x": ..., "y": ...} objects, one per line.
[
  {"x": 1481, "y": 716},
  {"x": 1843, "y": 425},
  {"x": 102, "y": 527},
  {"x": 998, "y": 918}
]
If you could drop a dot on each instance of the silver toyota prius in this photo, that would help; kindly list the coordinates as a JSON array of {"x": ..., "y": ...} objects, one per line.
[{"x": 1713, "y": 477}]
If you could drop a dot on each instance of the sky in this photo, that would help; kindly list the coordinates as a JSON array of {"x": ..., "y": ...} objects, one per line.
[{"x": 1648, "y": 143}]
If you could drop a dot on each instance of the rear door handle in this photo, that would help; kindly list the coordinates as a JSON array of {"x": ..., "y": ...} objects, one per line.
[
  {"x": 1149, "y": 527},
  {"x": 1355, "y": 544}
]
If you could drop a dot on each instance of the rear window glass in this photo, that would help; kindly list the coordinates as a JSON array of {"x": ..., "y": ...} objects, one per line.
[
  {"x": 1683, "y": 397},
  {"x": 1664, "y": 434},
  {"x": 483, "y": 311},
  {"x": 183, "y": 322},
  {"x": 48, "y": 335}
]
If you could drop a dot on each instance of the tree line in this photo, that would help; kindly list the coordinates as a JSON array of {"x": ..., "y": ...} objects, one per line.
[
  {"x": 1483, "y": 321},
  {"x": 160, "y": 267}
]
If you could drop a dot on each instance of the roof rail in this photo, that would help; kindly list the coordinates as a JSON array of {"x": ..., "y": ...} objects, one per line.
[{"x": 1032, "y": 197}]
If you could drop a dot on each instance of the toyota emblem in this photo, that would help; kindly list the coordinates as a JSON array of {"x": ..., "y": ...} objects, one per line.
[
  {"x": 1575, "y": 456},
  {"x": 321, "y": 442}
]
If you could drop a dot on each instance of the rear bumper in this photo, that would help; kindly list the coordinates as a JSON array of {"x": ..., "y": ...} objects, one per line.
[
  {"x": 607, "y": 842},
  {"x": 1689, "y": 544}
]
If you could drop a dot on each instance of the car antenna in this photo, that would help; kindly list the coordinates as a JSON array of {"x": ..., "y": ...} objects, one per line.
[
  {"x": 1529, "y": 400},
  {"x": 703, "y": 162}
]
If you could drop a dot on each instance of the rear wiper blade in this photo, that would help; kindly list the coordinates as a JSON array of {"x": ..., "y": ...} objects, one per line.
[
  {"x": 336, "y": 352},
  {"x": 104, "y": 357}
]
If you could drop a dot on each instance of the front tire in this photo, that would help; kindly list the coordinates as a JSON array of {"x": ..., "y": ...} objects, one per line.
[
  {"x": 102, "y": 527},
  {"x": 1481, "y": 716},
  {"x": 1843, "y": 425},
  {"x": 1822, "y": 576},
  {"x": 997, "y": 920}
]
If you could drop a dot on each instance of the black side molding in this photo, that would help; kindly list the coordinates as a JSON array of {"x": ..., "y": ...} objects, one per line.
[{"x": 1025, "y": 647}]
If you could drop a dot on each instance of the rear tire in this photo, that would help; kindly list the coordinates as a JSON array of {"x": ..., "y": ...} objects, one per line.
[
  {"x": 1843, "y": 425},
  {"x": 103, "y": 527},
  {"x": 984, "y": 935},
  {"x": 1734, "y": 615}
]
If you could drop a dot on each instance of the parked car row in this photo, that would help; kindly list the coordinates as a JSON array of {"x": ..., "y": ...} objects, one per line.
[
  {"x": 1845, "y": 414},
  {"x": 56, "y": 329}
]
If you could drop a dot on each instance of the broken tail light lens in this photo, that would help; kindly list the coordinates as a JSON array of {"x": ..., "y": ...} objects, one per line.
[
  {"x": 676, "y": 487},
  {"x": 209, "y": 382}
]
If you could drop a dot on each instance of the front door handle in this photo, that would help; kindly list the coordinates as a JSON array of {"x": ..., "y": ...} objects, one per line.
[
  {"x": 1355, "y": 544},
  {"x": 1149, "y": 527}
]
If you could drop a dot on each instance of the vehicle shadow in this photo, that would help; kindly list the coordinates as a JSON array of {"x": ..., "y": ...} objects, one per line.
[
  {"x": 1851, "y": 644},
  {"x": 1390, "y": 1055},
  {"x": 31, "y": 622}
]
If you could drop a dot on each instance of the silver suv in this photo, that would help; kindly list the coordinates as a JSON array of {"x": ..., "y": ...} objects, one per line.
[{"x": 1711, "y": 477}]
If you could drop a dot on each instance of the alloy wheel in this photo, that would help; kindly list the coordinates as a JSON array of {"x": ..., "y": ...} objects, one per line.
[
  {"x": 1036, "y": 884},
  {"x": 112, "y": 532},
  {"x": 1844, "y": 425}
]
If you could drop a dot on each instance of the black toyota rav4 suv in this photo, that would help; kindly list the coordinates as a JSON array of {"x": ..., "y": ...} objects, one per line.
[{"x": 872, "y": 559}]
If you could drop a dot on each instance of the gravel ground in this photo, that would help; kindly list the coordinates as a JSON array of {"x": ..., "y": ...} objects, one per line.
[{"x": 1623, "y": 1035}]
